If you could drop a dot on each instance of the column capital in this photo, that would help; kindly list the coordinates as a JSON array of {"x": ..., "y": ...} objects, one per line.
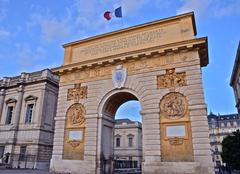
[
  {"x": 20, "y": 88},
  {"x": 2, "y": 92}
]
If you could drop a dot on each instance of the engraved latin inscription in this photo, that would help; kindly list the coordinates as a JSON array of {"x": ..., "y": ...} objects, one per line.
[{"x": 122, "y": 43}]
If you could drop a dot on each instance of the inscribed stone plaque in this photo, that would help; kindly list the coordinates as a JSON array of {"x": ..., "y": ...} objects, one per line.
[
  {"x": 75, "y": 135},
  {"x": 175, "y": 131}
]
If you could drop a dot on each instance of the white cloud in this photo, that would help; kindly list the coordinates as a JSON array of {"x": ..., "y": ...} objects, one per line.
[
  {"x": 212, "y": 8},
  {"x": 132, "y": 7},
  {"x": 232, "y": 7},
  {"x": 3, "y": 13},
  {"x": 51, "y": 28},
  {"x": 29, "y": 57},
  {"x": 82, "y": 18},
  {"x": 198, "y": 6},
  {"x": 4, "y": 34},
  {"x": 3, "y": 10}
]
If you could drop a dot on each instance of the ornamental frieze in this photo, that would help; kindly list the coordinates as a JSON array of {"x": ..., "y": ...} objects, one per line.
[
  {"x": 77, "y": 93},
  {"x": 176, "y": 141},
  {"x": 74, "y": 143},
  {"x": 105, "y": 71},
  {"x": 171, "y": 79},
  {"x": 173, "y": 106}
]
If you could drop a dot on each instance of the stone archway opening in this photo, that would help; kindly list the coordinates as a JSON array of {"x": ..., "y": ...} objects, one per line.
[{"x": 122, "y": 135}]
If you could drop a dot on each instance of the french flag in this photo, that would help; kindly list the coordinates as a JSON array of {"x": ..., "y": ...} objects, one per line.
[{"x": 117, "y": 13}]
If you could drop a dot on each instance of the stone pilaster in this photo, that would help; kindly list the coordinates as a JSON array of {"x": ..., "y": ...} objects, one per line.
[
  {"x": 2, "y": 97},
  {"x": 17, "y": 117},
  {"x": 18, "y": 106}
]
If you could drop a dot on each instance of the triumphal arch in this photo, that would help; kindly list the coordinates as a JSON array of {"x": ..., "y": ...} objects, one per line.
[{"x": 157, "y": 63}]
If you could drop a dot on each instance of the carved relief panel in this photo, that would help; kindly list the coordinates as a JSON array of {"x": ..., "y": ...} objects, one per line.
[
  {"x": 77, "y": 93},
  {"x": 74, "y": 136},
  {"x": 176, "y": 137},
  {"x": 171, "y": 79}
]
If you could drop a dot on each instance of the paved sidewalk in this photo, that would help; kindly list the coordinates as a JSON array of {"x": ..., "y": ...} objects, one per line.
[{"x": 22, "y": 171}]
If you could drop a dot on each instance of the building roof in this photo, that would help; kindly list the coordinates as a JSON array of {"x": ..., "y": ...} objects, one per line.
[
  {"x": 236, "y": 66},
  {"x": 127, "y": 123},
  {"x": 29, "y": 78},
  {"x": 125, "y": 120},
  {"x": 224, "y": 117}
]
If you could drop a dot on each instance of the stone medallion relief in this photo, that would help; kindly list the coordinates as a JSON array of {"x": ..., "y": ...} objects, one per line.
[
  {"x": 76, "y": 115},
  {"x": 173, "y": 105}
]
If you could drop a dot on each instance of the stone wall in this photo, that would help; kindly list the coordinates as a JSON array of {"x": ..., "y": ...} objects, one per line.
[{"x": 39, "y": 89}]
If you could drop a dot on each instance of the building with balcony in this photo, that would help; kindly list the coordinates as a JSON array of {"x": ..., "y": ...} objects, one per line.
[
  {"x": 27, "y": 108},
  {"x": 219, "y": 127}
]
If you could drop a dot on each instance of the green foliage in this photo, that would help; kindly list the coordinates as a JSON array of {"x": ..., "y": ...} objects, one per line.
[{"x": 231, "y": 150}]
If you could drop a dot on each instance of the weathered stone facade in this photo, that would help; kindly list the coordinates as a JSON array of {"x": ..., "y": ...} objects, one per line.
[
  {"x": 27, "y": 109},
  {"x": 235, "y": 79},
  {"x": 126, "y": 65},
  {"x": 221, "y": 126},
  {"x": 128, "y": 141}
]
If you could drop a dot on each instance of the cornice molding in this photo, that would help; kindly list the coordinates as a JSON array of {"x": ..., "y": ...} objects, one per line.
[{"x": 199, "y": 44}]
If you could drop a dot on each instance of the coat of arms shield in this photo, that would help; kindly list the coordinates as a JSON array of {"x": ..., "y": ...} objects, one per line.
[{"x": 119, "y": 76}]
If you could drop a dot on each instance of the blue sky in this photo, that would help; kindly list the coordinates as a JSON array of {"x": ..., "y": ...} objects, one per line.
[{"x": 32, "y": 33}]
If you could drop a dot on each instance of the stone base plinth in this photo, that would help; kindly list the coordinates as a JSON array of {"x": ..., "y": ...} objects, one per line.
[
  {"x": 176, "y": 168},
  {"x": 72, "y": 166}
]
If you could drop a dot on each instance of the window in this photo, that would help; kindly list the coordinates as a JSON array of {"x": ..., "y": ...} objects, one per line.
[
  {"x": 9, "y": 115},
  {"x": 235, "y": 124},
  {"x": 1, "y": 151},
  {"x": 130, "y": 142},
  {"x": 213, "y": 125},
  {"x": 22, "y": 153},
  {"x": 222, "y": 125},
  {"x": 228, "y": 124},
  {"x": 29, "y": 113},
  {"x": 118, "y": 142}
]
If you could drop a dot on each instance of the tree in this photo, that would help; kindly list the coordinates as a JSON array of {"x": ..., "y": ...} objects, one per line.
[{"x": 231, "y": 150}]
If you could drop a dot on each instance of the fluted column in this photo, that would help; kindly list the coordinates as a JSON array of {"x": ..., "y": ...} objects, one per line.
[{"x": 2, "y": 97}]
